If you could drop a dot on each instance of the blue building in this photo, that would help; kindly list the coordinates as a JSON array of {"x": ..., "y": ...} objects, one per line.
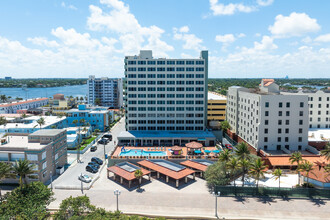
[{"x": 97, "y": 117}]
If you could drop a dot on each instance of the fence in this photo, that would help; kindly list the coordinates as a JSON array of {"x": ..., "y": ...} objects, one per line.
[
  {"x": 274, "y": 192},
  {"x": 87, "y": 147},
  {"x": 231, "y": 141}
]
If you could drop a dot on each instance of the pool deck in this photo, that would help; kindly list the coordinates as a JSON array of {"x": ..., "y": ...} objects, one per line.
[{"x": 117, "y": 151}]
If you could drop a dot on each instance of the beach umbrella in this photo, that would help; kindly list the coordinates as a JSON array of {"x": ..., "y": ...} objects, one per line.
[
  {"x": 216, "y": 151},
  {"x": 207, "y": 151},
  {"x": 198, "y": 151}
]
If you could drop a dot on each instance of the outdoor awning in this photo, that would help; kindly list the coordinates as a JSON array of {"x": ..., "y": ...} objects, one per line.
[
  {"x": 198, "y": 151},
  {"x": 207, "y": 151},
  {"x": 201, "y": 139},
  {"x": 216, "y": 151}
]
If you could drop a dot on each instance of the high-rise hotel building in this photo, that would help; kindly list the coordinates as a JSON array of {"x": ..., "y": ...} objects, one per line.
[{"x": 165, "y": 96}]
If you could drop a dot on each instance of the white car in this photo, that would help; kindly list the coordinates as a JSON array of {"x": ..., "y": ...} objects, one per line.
[{"x": 85, "y": 178}]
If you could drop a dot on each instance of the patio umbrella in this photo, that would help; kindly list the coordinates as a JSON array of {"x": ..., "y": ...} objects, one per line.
[
  {"x": 198, "y": 151},
  {"x": 207, "y": 151},
  {"x": 216, "y": 151}
]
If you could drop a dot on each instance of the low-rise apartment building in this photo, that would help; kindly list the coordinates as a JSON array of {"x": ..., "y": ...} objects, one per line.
[
  {"x": 46, "y": 149},
  {"x": 10, "y": 108},
  {"x": 216, "y": 109},
  {"x": 266, "y": 119}
]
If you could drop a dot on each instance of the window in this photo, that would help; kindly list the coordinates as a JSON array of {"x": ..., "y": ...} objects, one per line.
[
  {"x": 180, "y": 62},
  {"x": 151, "y": 69},
  {"x": 180, "y": 69},
  {"x": 32, "y": 157},
  {"x": 286, "y": 139},
  {"x": 170, "y": 69},
  {"x": 266, "y": 130},
  {"x": 44, "y": 165},
  {"x": 287, "y": 122},
  {"x": 267, "y": 104},
  {"x": 190, "y": 62},
  {"x": 279, "y": 131},
  {"x": 280, "y": 105},
  {"x": 151, "y": 62},
  {"x": 266, "y": 122},
  {"x": 141, "y": 69},
  {"x": 200, "y": 62},
  {"x": 300, "y": 122},
  {"x": 288, "y": 104},
  {"x": 279, "y": 122},
  {"x": 280, "y": 113},
  {"x": 299, "y": 139},
  {"x": 265, "y": 139},
  {"x": 161, "y": 62},
  {"x": 266, "y": 113},
  {"x": 279, "y": 139},
  {"x": 287, "y": 113},
  {"x": 43, "y": 155},
  {"x": 131, "y": 62},
  {"x": 190, "y": 69},
  {"x": 301, "y": 104},
  {"x": 199, "y": 69},
  {"x": 301, "y": 113},
  {"x": 132, "y": 69},
  {"x": 287, "y": 130},
  {"x": 142, "y": 62},
  {"x": 170, "y": 62},
  {"x": 160, "y": 75},
  {"x": 160, "y": 69}
]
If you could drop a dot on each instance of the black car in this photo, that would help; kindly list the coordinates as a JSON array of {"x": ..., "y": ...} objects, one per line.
[
  {"x": 93, "y": 148},
  {"x": 96, "y": 165},
  {"x": 107, "y": 136},
  {"x": 91, "y": 169},
  {"x": 102, "y": 141},
  {"x": 97, "y": 160}
]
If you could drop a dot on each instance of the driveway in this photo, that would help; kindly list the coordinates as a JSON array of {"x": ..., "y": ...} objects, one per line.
[{"x": 69, "y": 179}]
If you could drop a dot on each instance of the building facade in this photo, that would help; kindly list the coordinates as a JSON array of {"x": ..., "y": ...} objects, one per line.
[
  {"x": 166, "y": 94},
  {"x": 97, "y": 118},
  {"x": 10, "y": 108},
  {"x": 216, "y": 109},
  {"x": 319, "y": 107},
  {"x": 105, "y": 92},
  {"x": 46, "y": 149},
  {"x": 267, "y": 119}
]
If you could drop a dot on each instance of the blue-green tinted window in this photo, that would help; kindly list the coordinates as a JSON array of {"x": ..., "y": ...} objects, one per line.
[
  {"x": 190, "y": 89},
  {"x": 132, "y": 69},
  {"x": 160, "y": 75},
  {"x": 180, "y": 102},
  {"x": 151, "y": 89},
  {"x": 141, "y": 95},
  {"x": 199, "y": 82},
  {"x": 170, "y": 69},
  {"x": 142, "y": 82},
  {"x": 151, "y": 69},
  {"x": 131, "y": 62},
  {"x": 161, "y": 62},
  {"x": 151, "y": 82},
  {"x": 200, "y": 69},
  {"x": 199, "y": 95},
  {"x": 131, "y": 75},
  {"x": 190, "y": 102},
  {"x": 180, "y": 95},
  {"x": 131, "y": 82},
  {"x": 200, "y": 62},
  {"x": 170, "y": 82},
  {"x": 199, "y": 89},
  {"x": 160, "y": 95},
  {"x": 170, "y": 75},
  {"x": 170, "y": 95},
  {"x": 170, "y": 62},
  {"x": 142, "y": 62},
  {"x": 170, "y": 89},
  {"x": 161, "y": 69},
  {"x": 190, "y": 62},
  {"x": 190, "y": 69},
  {"x": 161, "y": 89},
  {"x": 190, "y": 96},
  {"x": 180, "y": 69},
  {"x": 142, "y": 89},
  {"x": 160, "y": 82},
  {"x": 141, "y": 69},
  {"x": 190, "y": 76},
  {"x": 199, "y": 75},
  {"x": 142, "y": 75},
  {"x": 180, "y": 62},
  {"x": 151, "y": 102},
  {"x": 160, "y": 102},
  {"x": 180, "y": 76},
  {"x": 180, "y": 82},
  {"x": 151, "y": 62},
  {"x": 151, "y": 95},
  {"x": 180, "y": 89},
  {"x": 151, "y": 75}
]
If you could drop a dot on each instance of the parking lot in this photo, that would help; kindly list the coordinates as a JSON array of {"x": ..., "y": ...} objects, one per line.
[{"x": 69, "y": 179}]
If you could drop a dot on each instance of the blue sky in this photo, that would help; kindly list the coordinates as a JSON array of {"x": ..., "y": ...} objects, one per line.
[{"x": 246, "y": 38}]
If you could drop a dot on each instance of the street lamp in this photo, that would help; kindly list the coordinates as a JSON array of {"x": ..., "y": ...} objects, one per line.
[
  {"x": 116, "y": 193},
  {"x": 82, "y": 187},
  {"x": 216, "y": 195}
]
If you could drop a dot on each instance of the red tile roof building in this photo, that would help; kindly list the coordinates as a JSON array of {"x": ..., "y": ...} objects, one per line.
[{"x": 10, "y": 108}]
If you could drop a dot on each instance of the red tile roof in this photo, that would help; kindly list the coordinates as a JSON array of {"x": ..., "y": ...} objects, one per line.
[
  {"x": 267, "y": 82},
  {"x": 285, "y": 160},
  {"x": 22, "y": 102},
  {"x": 163, "y": 170},
  {"x": 194, "y": 165},
  {"x": 124, "y": 173},
  {"x": 194, "y": 145},
  {"x": 318, "y": 173}
]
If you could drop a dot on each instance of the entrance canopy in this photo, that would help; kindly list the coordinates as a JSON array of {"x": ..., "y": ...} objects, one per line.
[{"x": 126, "y": 170}]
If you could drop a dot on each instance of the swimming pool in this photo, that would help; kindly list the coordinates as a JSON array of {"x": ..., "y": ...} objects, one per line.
[{"x": 143, "y": 153}]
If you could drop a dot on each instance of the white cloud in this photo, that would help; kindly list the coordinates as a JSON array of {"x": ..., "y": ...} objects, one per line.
[
  {"x": 132, "y": 35},
  {"x": 232, "y": 8},
  {"x": 229, "y": 9},
  {"x": 241, "y": 35},
  {"x": 296, "y": 24},
  {"x": 265, "y": 2},
  {"x": 265, "y": 44},
  {"x": 323, "y": 38},
  {"x": 306, "y": 40},
  {"x": 191, "y": 41},
  {"x": 41, "y": 41},
  {"x": 226, "y": 39},
  {"x": 68, "y": 6}
]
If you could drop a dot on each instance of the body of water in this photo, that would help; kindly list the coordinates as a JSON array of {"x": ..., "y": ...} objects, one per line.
[
  {"x": 28, "y": 93},
  {"x": 316, "y": 87}
]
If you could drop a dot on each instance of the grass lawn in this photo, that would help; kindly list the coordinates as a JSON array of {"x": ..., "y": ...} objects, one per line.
[{"x": 85, "y": 142}]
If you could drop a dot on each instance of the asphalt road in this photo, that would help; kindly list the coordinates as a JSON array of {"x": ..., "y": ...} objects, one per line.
[{"x": 69, "y": 179}]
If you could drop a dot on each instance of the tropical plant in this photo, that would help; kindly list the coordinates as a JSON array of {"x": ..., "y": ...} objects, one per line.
[
  {"x": 41, "y": 121},
  {"x": 3, "y": 98},
  {"x": 24, "y": 169},
  {"x": 245, "y": 165},
  {"x": 224, "y": 126},
  {"x": 258, "y": 169},
  {"x": 5, "y": 172},
  {"x": 278, "y": 174},
  {"x": 306, "y": 167},
  {"x": 97, "y": 101},
  {"x": 224, "y": 157},
  {"x": 53, "y": 127},
  {"x": 215, "y": 175},
  {"x": 3, "y": 120},
  {"x": 233, "y": 167},
  {"x": 23, "y": 115},
  {"x": 242, "y": 151},
  {"x": 27, "y": 203},
  {"x": 326, "y": 151},
  {"x": 138, "y": 175},
  {"x": 296, "y": 158}
]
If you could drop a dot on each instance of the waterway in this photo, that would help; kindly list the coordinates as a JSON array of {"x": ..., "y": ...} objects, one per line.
[{"x": 28, "y": 93}]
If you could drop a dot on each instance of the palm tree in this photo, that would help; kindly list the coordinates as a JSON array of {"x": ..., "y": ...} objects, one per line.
[
  {"x": 296, "y": 158},
  {"x": 245, "y": 165},
  {"x": 23, "y": 169},
  {"x": 307, "y": 167},
  {"x": 5, "y": 172},
  {"x": 278, "y": 173},
  {"x": 233, "y": 166},
  {"x": 23, "y": 115},
  {"x": 224, "y": 126},
  {"x": 41, "y": 121},
  {"x": 3, "y": 98},
  {"x": 242, "y": 151},
  {"x": 225, "y": 157},
  {"x": 138, "y": 175},
  {"x": 258, "y": 169},
  {"x": 326, "y": 151}
]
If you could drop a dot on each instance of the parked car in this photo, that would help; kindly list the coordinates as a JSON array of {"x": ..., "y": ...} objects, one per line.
[
  {"x": 103, "y": 141},
  {"x": 94, "y": 164},
  {"x": 97, "y": 160},
  {"x": 91, "y": 169},
  {"x": 107, "y": 136},
  {"x": 85, "y": 178},
  {"x": 93, "y": 148}
]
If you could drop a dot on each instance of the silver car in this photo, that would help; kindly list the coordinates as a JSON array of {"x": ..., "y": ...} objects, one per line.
[{"x": 85, "y": 178}]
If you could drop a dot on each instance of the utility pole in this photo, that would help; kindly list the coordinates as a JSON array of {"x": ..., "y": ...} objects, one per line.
[
  {"x": 117, "y": 193},
  {"x": 216, "y": 195}
]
